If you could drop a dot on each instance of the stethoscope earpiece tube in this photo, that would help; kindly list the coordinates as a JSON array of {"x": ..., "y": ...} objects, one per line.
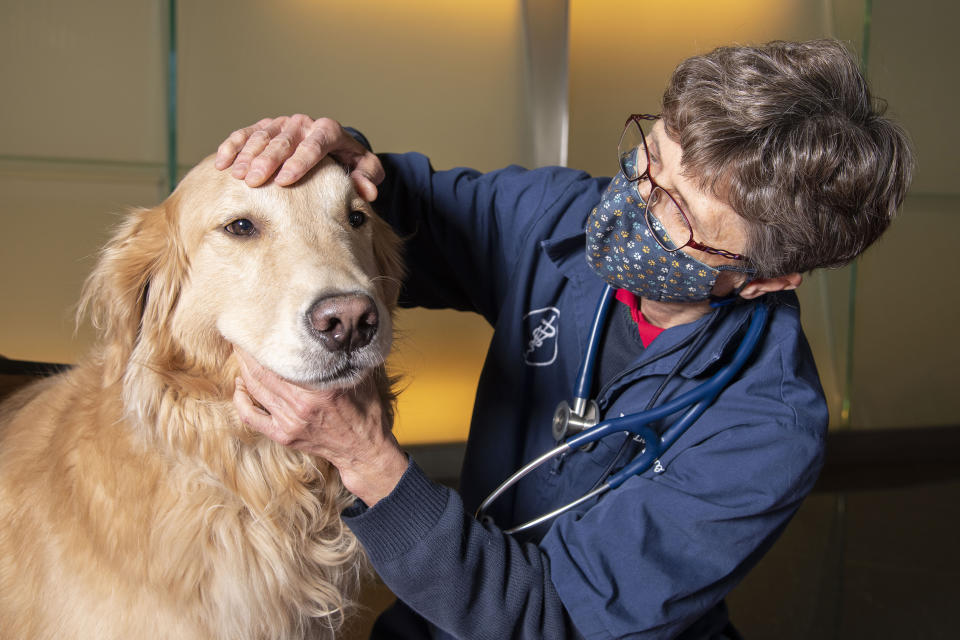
[{"x": 695, "y": 401}]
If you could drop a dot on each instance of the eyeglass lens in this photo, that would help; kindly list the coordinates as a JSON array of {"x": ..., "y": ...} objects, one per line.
[{"x": 664, "y": 216}]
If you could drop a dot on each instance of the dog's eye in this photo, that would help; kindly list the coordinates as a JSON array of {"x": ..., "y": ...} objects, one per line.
[
  {"x": 241, "y": 227},
  {"x": 357, "y": 218}
]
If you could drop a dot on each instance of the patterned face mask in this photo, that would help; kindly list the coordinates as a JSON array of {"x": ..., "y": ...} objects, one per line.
[{"x": 622, "y": 251}]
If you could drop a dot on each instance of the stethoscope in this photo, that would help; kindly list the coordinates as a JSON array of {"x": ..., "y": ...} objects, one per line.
[{"x": 580, "y": 419}]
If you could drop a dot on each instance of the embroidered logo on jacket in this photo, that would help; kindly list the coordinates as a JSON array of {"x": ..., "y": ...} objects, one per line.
[{"x": 541, "y": 327}]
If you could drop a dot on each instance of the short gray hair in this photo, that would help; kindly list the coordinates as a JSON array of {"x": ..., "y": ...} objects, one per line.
[{"x": 789, "y": 136}]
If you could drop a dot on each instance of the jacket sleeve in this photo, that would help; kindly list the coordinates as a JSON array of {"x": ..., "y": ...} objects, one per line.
[
  {"x": 647, "y": 560},
  {"x": 467, "y": 578},
  {"x": 464, "y": 230}
]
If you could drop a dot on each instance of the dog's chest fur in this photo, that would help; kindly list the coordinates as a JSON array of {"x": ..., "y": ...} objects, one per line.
[{"x": 186, "y": 525}]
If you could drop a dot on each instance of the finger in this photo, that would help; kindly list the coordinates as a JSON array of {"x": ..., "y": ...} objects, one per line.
[
  {"x": 275, "y": 393},
  {"x": 229, "y": 148},
  {"x": 248, "y": 165},
  {"x": 252, "y": 416},
  {"x": 366, "y": 170},
  {"x": 366, "y": 189},
  {"x": 256, "y": 141},
  {"x": 321, "y": 137},
  {"x": 253, "y": 376},
  {"x": 290, "y": 405},
  {"x": 371, "y": 168},
  {"x": 281, "y": 146},
  {"x": 258, "y": 419},
  {"x": 254, "y": 146},
  {"x": 252, "y": 408},
  {"x": 307, "y": 155}
]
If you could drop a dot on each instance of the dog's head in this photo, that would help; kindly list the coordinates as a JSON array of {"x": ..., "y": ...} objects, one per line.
[{"x": 304, "y": 278}]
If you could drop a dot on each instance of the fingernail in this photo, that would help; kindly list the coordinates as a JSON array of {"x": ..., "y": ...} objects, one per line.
[
  {"x": 284, "y": 176},
  {"x": 255, "y": 176}
]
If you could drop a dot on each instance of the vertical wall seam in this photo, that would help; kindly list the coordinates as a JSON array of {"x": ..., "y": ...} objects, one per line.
[
  {"x": 546, "y": 47},
  {"x": 171, "y": 94},
  {"x": 845, "y": 414}
]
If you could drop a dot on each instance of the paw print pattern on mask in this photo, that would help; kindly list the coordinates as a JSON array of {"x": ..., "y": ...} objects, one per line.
[{"x": 622, "y": 251}]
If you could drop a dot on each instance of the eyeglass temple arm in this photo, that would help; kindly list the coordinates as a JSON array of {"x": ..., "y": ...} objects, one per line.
[
  {"x": 641, "y": 116},
  {"x": 719, "y": 252}
]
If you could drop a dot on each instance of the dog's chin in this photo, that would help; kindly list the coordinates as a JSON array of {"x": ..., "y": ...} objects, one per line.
[
  {"x": 343, "y": 375},
  {"x": 321, "y": 371},
  {"x": 343, "y": 378}
]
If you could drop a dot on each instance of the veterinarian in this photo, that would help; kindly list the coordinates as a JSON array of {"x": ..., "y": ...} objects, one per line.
[{"x": 769, "y": 162}]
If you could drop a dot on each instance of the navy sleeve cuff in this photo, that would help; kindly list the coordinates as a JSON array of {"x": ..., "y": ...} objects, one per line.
[{"x": 396, "y": 523}]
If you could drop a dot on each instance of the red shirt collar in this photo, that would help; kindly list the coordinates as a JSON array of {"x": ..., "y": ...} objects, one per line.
[{"x": 648, "y": 332}]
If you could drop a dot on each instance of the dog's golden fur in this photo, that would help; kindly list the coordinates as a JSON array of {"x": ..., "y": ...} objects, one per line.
[{"x": 132, "y": 502}]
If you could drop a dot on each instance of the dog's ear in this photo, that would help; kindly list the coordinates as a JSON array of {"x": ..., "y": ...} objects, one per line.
[
  {"x": 136, "y": 282},
  {"x": 388, "y": 255}
]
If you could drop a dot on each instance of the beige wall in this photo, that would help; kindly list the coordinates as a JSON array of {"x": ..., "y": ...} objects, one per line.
[{"x": 84, "y": 82}]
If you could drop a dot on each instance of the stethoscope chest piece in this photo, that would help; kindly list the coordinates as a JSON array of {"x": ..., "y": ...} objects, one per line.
[{"x": 569, "y": 422}]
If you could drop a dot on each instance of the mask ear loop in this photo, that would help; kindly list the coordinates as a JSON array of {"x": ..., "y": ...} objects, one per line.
[{"x": 733, "y": 296}]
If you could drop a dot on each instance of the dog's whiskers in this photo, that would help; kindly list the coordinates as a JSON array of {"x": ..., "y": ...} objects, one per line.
[{"x": 387, "y": 279}]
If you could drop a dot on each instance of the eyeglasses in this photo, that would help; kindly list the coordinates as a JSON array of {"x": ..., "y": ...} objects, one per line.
[{"x": 665, "y": 219}]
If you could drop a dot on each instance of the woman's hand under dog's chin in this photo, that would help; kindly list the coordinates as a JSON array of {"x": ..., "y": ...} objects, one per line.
[{"x": 348, "y": 427}]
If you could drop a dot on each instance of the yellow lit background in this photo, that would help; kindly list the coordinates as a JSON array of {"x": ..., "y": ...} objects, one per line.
[{"x": 82, "y": 139}]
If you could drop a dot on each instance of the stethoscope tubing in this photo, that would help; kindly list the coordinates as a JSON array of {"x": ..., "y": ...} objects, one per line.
[
  {"x": 696, "y": 401},
  {"x": 584, "y": 380}
]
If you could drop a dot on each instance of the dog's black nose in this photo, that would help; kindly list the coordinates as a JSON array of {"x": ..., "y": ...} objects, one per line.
[{"x": 344, "y": 322}]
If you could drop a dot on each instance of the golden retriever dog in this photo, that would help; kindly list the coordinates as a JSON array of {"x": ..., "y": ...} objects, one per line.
[{"x": 133, "y": 503}]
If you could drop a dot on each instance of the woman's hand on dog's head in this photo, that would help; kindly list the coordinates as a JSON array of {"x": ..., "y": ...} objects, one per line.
[
  {"x": 294, "y": 145},
  {"x": 348, "y": 427}
]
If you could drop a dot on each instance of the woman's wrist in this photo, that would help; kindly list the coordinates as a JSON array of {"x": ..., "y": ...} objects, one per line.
[{"x": 374, "y": 477}]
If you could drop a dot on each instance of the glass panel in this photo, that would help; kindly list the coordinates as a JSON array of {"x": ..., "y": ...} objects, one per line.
[
  {"x": 83, "y": 79},
  {"x": 81, "y": 140},
  {"x": 56, "y": 218},
  {"x": 84, "y": 137},
  {"x": 906, "y": 355}
]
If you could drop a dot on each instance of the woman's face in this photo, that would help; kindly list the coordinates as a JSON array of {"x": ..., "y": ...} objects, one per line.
[{"x": 713, "y": 221}]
